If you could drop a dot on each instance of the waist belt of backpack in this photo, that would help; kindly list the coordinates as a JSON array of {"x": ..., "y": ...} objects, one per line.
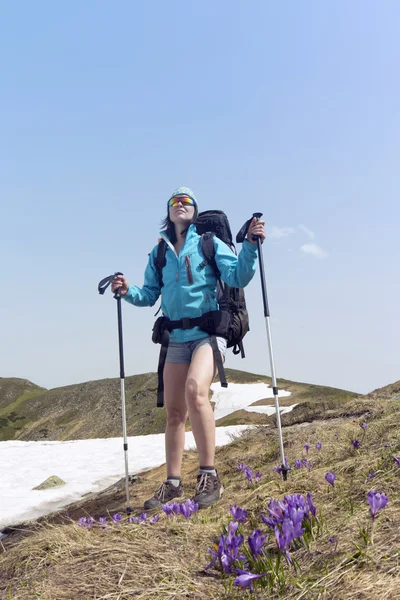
[{"x": 206, "y": 323}]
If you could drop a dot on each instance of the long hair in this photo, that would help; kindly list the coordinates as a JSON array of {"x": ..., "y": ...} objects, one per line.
[{"x": 169, "y": 228}]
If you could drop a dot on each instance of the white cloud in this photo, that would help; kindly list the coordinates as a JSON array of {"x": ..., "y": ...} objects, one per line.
[
  {"x": 314, "y": 250},
  {"x": 280, "y": 232},
  {"x": 307, "y": 231}
]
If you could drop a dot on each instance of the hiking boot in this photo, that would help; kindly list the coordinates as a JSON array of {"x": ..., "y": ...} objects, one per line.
[
  {"x": 165, "y": 493},
  {"x": 209, "y": 490}
]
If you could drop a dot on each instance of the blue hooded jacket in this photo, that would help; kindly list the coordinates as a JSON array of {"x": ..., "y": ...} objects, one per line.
[{"x": 189, "y": 283}]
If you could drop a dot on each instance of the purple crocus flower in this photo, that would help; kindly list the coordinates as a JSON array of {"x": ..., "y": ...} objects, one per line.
[
  {"x": 268, "y": 521},
  {"x": 102, "y": 521},
  {"x": 242, "y": 467},
  {"x": 232, "y": 528},
  {"x": 371, "y": 475},
  {"x": 306, "y": 448},
  {"x": 141, "y": 519},
  {"x": 117, "y": 518},
  {"x": 332, "y": 540},
  {"x": 256, "y": 541},
  {"x": 277, "y": 510},
  {"x": 298, "y": 464},
  {"x": 171, "y": 509},
  {"x": 249, "y": 475},
  {"x": 154, "y": 519},
  {"x": 239, "y": 514},
  {"x": 397, "y": 460},
  {"x": 188, "y": 508},
  {"x": 356, "y": 444},
  {"x": 233, "y": 541},
  {"x": 306, "y": 463},
  {"x": 227, "y": 550},
  {"x": 134, "y": 520},
  {"x": 296, "y": 515},
  {"x": 82, "y": 522},
  {"x": 278, "y": 470},
  {"x": 318, "y": 446},
  {"x": 377, "y": 501},
  {"x": 284, "y": 537},
  {"x": 330, "y": 478},
  {"x": 232, "y": 547},
  {"x": 311, "y": 506},
  {"x": 167, "y": 508},
  {"x": 245, "y": 579},
  {"x": 219, "y": 553},
  {"x": 364, "y": 426}
]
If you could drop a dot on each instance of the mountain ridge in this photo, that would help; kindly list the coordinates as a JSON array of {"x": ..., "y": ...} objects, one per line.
[{"x": 93, "y": 408}]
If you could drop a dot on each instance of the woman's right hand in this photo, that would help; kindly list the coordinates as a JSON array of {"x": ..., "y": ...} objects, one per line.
[{"x": 120, "y": 282}]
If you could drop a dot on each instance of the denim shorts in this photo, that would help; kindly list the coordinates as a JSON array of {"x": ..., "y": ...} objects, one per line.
[{"x": 182, "y": 352}]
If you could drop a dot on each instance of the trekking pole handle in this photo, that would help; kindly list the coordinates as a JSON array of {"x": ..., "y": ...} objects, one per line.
[
  {"x": 258, "y": 216},
  {"x": 117, "y": 293},
  {"x": 104, "y": 283}
]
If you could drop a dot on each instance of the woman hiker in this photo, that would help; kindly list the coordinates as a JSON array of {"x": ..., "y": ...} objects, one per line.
[{"x": 189, "y": 290}]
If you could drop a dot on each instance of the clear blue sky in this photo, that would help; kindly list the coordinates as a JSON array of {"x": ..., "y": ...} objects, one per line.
[{"x": 291, "y": 109}]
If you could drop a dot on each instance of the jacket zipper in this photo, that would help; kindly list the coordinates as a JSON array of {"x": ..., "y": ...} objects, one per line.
[{"x": 188, "y": 270}]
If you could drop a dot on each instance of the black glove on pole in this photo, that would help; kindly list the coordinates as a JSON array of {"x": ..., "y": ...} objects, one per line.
[
  {"x": 103, "y": 285},
  {"x": 239, "y": 238}
]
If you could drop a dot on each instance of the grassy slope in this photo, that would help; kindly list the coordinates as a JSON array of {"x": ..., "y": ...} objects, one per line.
[
  {"x": 14, "y": 392},
  {"x": 58, "y": 560},
  {"x": 314, "y": 402},
  {"x": 93, "y": 409},
  {"x": 12, "y": 388}
]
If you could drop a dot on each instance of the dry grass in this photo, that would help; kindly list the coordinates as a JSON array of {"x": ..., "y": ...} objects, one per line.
[{"x": 61, "y": 561}]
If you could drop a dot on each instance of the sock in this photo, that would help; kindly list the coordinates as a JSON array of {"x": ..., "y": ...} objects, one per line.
[
  {"x": 210, "y": 470},
  {"x": 174, "y": 480}
]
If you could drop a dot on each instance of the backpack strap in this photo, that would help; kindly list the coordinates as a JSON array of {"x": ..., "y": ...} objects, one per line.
[
  {"x": 218, "y": 361},
  {"x": 239, "y": 349},
  {"x": 208, "y": 249},
  {"x": 160, "y": 370},
  {"x": 161, "y": 260}
]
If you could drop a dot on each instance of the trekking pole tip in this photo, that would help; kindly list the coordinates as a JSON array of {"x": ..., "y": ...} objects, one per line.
[{"x": 285, "y": 471}]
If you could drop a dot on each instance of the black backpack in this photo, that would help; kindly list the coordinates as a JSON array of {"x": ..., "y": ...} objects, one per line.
[{"x": 231, "y": 300}]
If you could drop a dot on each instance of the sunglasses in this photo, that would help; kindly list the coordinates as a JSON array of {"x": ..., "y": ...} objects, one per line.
[{"x": 184, "y": 200}]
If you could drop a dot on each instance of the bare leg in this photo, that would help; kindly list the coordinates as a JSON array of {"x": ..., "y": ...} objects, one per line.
[
  {"x": 198, "y": 382},
  {"x": 175, "y": 404}
]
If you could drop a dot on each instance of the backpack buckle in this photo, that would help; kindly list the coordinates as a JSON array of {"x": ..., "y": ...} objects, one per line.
[
  {"x": 210, "y": 322},
  {"x": 186, "y": 323}
]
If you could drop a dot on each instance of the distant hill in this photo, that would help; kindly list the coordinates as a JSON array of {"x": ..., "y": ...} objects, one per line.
[
  {"x": 391, "y": 391},
  {"x": 313, "y": 402},
  {"x": 12, "y": 388},
  {"x": 14, "y": 392},
  {"x": 93, "y": 409}
]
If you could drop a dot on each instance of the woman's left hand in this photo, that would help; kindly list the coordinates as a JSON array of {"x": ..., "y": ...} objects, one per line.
[{"x": 256, "y": 228}]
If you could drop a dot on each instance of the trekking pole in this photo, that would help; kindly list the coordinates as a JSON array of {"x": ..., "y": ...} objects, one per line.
[
  {"x": 239, "y": 238},
  {"x": 103, "y": 285}
]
